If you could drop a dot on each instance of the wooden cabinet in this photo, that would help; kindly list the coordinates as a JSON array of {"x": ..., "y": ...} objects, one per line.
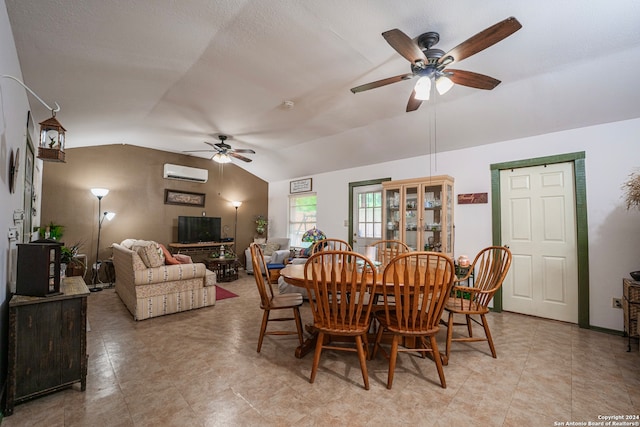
[
  {"x": 47, "y": 342},
  {"x": 419, "y": 212}
]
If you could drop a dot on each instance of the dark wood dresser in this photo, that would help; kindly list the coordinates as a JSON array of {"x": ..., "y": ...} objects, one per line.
[{"x": 47, "y": 342}]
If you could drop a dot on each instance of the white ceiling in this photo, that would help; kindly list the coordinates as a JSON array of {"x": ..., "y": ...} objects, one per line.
[{"x": 171, "y": 74}]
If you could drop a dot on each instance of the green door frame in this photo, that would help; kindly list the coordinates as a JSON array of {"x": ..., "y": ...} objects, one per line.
[
  {"x": 582, "y": 234},
  {"x": 352, "y": 186}
]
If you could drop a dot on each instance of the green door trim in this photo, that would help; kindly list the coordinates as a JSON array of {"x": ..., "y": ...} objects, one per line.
[
  {"x": 582, "y": 234},
  {"x": 352, "y": 186}
]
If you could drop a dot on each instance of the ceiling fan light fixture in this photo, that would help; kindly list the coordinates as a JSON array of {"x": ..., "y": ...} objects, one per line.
[
  {"x": 423, "y": 88},
  {"x": 221, "y": 158},
  {"x": 443, "y": 84}
]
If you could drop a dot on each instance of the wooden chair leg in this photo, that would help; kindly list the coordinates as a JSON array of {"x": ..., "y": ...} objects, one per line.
[
  {"x": 316, "y": 356},
  {"x": 296, "y": 315},
  {"x": 392, "y": 360},
  {"x": 469, "y": 326},
  {"x": 376, "y": 346},
  {"x": 363, "y": 362},
  {"x": 449, "y": 336},
  {"x": 263, "y": 328},
  {"x": 485, "y": 325},
  {"x": 436, "y": 358}
]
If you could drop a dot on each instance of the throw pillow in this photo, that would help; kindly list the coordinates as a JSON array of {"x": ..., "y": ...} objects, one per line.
[
  {"x": 183, "y": 259},
  {"x": 270, "y": 248},
  {"x": 150, "y": 253},
  {"x": 168, "y": 258}
]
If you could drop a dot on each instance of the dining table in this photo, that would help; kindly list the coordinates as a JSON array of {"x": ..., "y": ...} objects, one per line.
[{"x": 294, "y": 275}]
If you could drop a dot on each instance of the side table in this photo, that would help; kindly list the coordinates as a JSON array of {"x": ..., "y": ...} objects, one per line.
[
  {"x": 47, "y": 343},
  {"x": 226, "y": 269}
]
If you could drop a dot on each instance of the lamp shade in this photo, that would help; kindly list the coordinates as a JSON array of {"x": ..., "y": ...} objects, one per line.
[
  {"x": 221, "y": 158},
  {"x": 236, "y": 204},
  {"x": 109, "y": 215},
  {"x": 443, "y": 84},
  {"x": 99, "y": 192},
  {"x": 313, "y": 235},
  {"x": 423, "y": 88}
]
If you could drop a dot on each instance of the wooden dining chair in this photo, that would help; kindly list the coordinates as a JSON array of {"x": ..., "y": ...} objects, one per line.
[
  {"x": 489, "y": 267},
  {"x": 338, "y": 295},
  {"x": 271, "y": 302},
  {"x": 386, "y": 250},
  {"x": 415, "y": 288},
  {"x": 330, "y": 245}
]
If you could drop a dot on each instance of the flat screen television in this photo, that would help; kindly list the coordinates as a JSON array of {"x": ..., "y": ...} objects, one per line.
[{"x": 196, "y": 229}]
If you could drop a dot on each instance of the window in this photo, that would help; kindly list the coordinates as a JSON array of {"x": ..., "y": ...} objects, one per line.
[
  {"x": 370, "y": 215},
  {"x": 302, "y": 216}
]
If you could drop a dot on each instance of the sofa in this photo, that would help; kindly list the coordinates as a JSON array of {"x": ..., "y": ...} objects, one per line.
[
  {"x": 276, "y": 251},
  {"x": 152, "y": 282}
]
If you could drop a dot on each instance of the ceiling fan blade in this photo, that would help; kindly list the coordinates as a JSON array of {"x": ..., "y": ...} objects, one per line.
[
  {"x": 483, "y": 40},
  {"x": 199, "y": 151},
  {"x": 413, "y": 103},
  {"x": 222, "y": 145},
  {"x": 471, "y": 79},
  {"x": 238, "y": 156},
  {"x": 244, "y": 150},
  {"x": 403, "y": 44},
  {"x": 210, "y": 144},
  {"x": 382, "y": 82}
]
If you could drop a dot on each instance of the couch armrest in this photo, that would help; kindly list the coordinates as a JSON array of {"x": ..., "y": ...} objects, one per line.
[
  {"x": 279, "y": 256},
  {"x": 169, "y": 273}
]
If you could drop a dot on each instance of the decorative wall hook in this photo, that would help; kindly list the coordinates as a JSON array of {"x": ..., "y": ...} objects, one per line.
[{"x": 53, "y": 110}]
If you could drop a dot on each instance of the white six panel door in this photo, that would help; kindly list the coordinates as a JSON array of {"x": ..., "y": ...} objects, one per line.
[{"x": 539, "y": 225}]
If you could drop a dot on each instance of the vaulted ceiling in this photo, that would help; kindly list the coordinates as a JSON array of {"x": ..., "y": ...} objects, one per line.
[{"x": 172, "y": 74}]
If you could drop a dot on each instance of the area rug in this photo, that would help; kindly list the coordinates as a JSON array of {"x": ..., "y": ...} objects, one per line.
[{"x": 222, "y": 293}]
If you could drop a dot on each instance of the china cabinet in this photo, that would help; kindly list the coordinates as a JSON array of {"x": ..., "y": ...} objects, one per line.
[{"x": 419, "y": 212}]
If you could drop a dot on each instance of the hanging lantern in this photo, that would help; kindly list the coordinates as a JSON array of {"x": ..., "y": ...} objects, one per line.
[{"x": 51, "y": 148}]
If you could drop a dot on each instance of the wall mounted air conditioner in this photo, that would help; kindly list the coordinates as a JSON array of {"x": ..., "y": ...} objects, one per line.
[{"x": 185, "y": 173}]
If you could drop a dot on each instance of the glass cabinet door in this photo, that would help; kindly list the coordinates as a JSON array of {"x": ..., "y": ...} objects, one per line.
[
  {"x": 448, "y": 215},
  {"x": 412, "y": 220},
  {"x": 392, "y": 213},
  {"x": 432, "y": 218}
]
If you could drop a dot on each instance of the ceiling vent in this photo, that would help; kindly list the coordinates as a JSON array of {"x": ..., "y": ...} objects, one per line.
[{"x": 185, "y": 173}]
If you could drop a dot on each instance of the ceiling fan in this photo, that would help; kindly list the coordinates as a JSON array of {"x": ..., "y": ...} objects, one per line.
[
  {"x": 223, "y": 151},
  {"x": 431, "y": 64}
]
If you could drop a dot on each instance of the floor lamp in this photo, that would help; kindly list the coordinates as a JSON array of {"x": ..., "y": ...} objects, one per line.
[
  {"x": 99, "y": 193},
  {"x": 235, "y": 225}
]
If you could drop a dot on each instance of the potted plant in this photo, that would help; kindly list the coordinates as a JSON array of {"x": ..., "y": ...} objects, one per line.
[
  {"x": 261, "y": 229},
  {"x": 51, "y": 231},
  {"x": 68, "y": 257}
]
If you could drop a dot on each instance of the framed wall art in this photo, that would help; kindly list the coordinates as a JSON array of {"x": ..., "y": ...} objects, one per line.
[
  {"x": 300, "y": 186},
  {"x": 179, "y": 197}
]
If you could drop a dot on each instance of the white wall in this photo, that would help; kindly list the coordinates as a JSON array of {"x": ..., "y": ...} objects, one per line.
[
  {"x": 611, "y": 150},
  {"x": 13, "y": 119}
]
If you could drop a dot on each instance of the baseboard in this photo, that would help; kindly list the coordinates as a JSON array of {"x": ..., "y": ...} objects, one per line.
[{"x": 607, "y": 331}]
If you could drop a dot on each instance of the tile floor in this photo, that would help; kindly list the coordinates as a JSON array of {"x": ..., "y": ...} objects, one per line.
[{"x": 200, "y": 368}]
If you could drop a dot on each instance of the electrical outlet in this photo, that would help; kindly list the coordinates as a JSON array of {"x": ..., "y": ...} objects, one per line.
[{"x": 616, "y": 303}]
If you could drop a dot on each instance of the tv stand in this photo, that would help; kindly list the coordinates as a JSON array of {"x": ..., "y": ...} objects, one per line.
[{"x": 200, "y": 249}]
